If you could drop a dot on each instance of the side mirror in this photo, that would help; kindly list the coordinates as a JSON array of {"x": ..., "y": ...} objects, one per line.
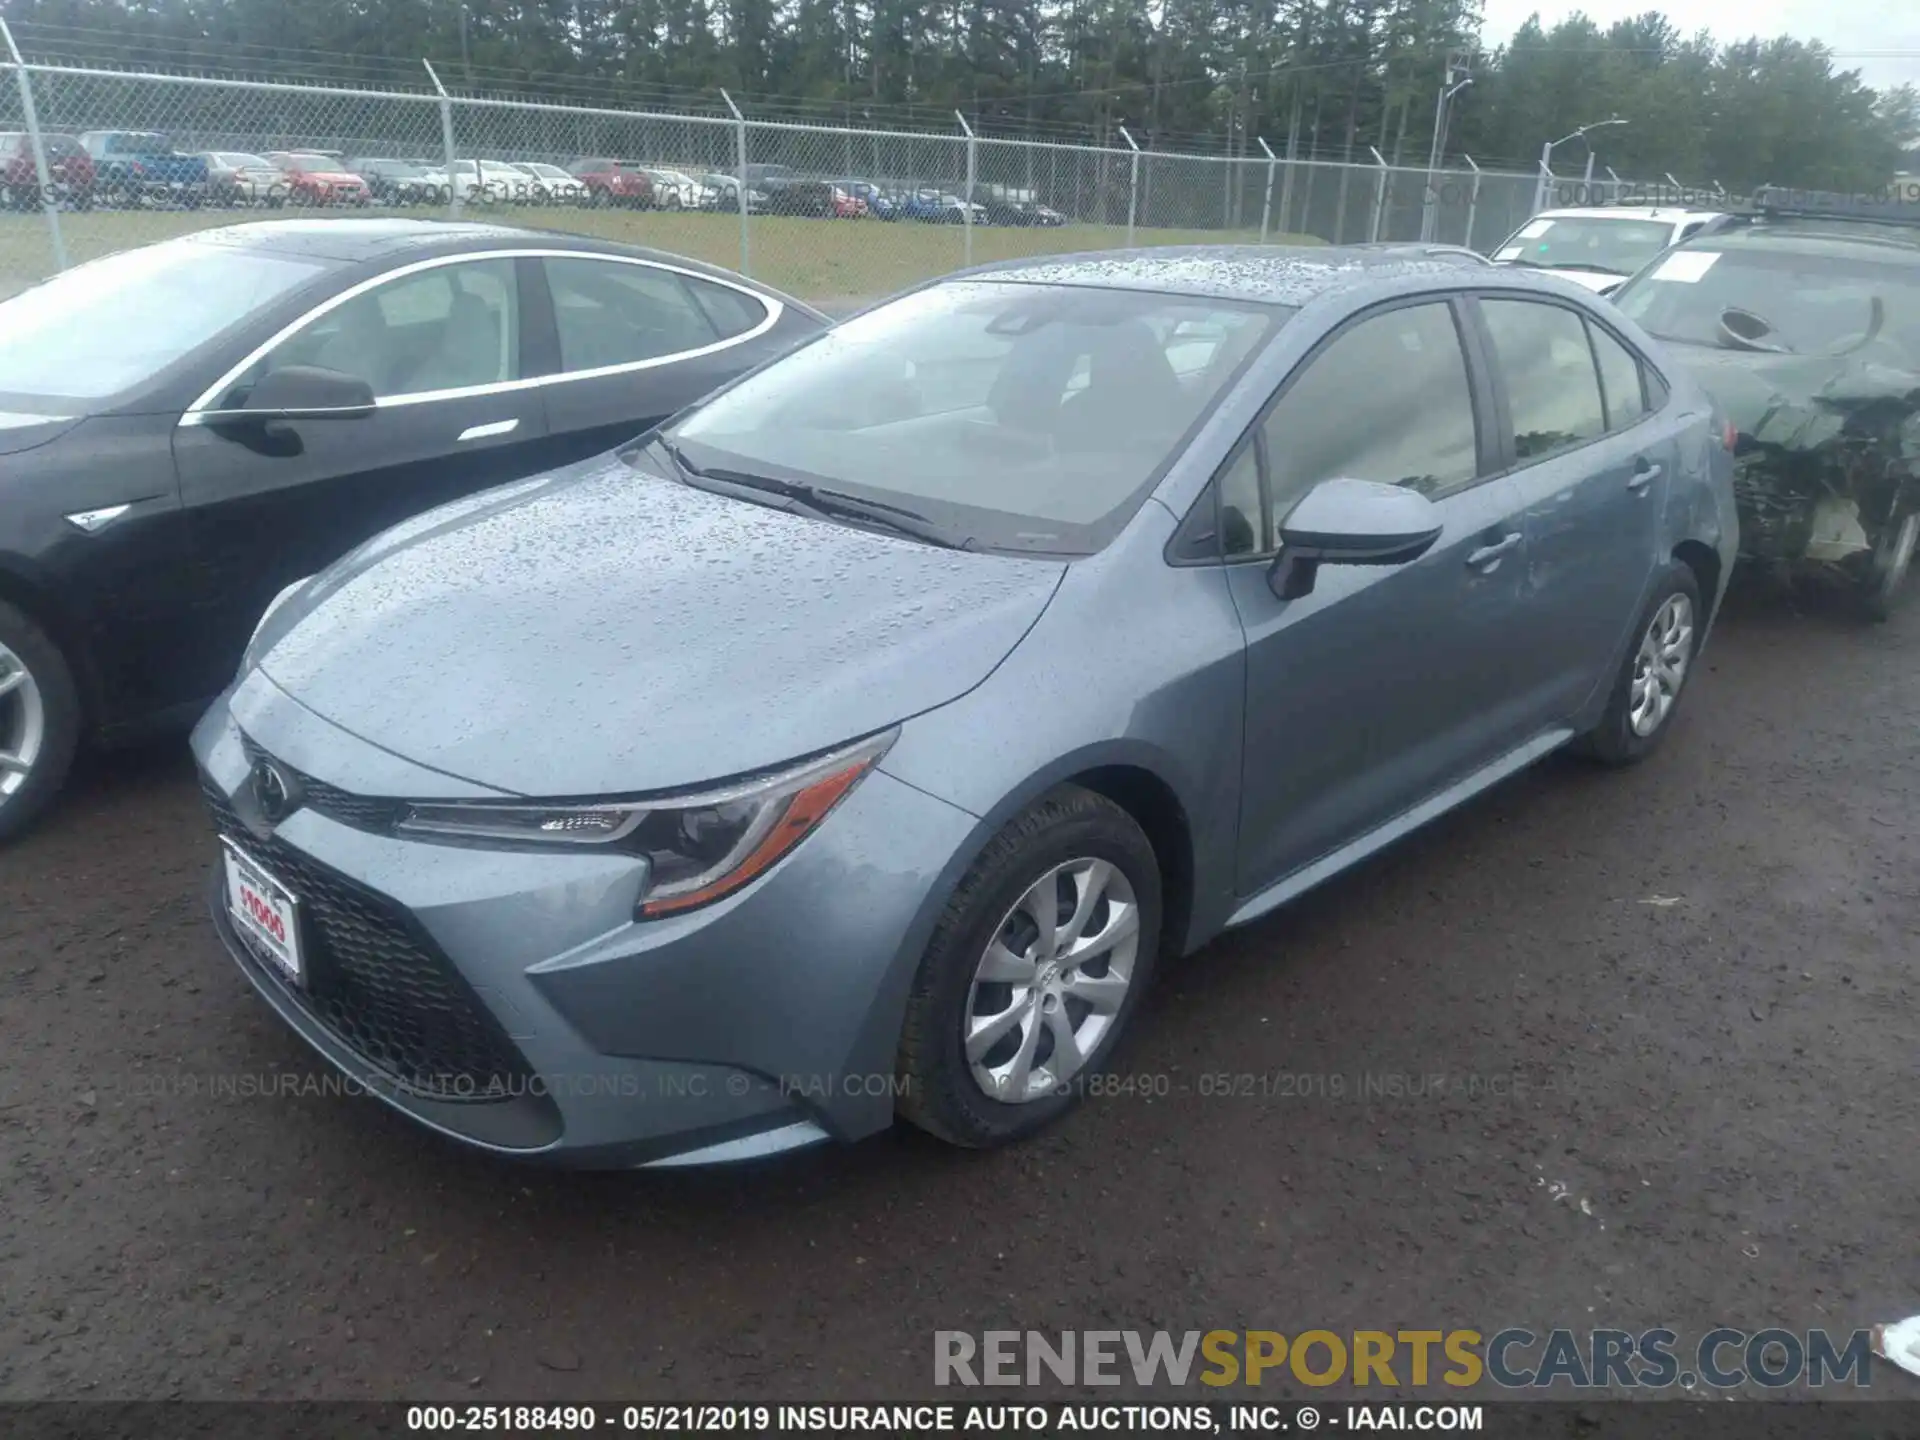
[
  {"x": 302, "y": 392},
  {"x": 1350, "y": 522}
]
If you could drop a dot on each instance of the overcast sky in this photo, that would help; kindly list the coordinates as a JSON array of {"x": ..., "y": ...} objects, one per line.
[{"x": 1868, "y": 35}]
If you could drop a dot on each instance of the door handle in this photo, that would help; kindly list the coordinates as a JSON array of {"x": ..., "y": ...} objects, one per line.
[
  {"x": 1487, "y": 556},
  {"x": 1644, "y": 474},
  {"x": 488, "y": 431}
]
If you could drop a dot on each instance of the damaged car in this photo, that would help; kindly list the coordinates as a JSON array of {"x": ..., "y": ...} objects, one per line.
[{"x": 1803, "y": 323}]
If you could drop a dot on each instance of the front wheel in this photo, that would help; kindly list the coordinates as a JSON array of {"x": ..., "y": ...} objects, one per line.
[
  {"x": 39, "y": 721},
  {"x": 1886, "y": 574},
  {"x": 1647, "y": 690},
  {"x": 1037, "y": 964}
]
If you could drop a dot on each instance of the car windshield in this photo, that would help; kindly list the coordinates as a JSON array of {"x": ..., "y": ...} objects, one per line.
[
  {"x": 311, "y": 164},
  {"x": 1587, "y": 242},
  {"x": 1020, "y": 417},
  {"x": 1782, "y": 301},
  {"x": 102, "y": 328},
  {"x": 239, "y": 160}
]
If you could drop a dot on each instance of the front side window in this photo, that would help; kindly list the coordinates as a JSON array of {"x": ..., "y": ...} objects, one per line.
[
  {"x": 446, "y": 328},
  {"x": 1553, "y": 389},
  {"x": 103, "y": 328},
  {"x": 1024, "y": 417},
  {"x": 1244, "y": 528},
  {"x": 610, "y": 313},
  {"x": 1387, "y": 400}
]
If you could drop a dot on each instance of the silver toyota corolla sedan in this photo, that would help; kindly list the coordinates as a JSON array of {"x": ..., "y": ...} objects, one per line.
[{"x": 853, "y": 745}]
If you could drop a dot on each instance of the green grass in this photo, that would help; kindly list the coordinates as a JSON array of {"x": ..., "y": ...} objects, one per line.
[{"x": 818, "y": 260}]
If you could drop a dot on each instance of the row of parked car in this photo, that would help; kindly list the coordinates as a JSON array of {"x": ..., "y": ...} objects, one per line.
[{"x": 132, "y": 168}]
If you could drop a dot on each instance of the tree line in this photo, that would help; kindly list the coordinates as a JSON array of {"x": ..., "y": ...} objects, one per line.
[{"x": 1324, "y": 79}]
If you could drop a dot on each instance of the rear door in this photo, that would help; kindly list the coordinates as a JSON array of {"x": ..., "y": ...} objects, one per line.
[
  {"x": 1387, "y": 683},
  {"x": 634, "y": 341},
  {"x": 1591, "y": 467},
  {"x": 442, "y": 346}
]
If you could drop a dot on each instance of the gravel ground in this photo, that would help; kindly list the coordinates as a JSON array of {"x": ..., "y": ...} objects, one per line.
[{"x": 1673, "y": 1009}]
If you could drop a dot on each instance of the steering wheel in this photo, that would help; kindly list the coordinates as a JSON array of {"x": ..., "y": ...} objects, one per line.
[{"x": 1876, "y": 322}]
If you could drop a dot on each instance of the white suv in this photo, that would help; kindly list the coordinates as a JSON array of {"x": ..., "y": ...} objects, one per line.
[{"x": 1599, "y": 247}]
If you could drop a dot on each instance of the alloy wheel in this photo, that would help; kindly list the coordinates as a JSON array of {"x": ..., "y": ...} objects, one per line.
[
  {"x": 1052, "y": 981},
  {"x": 1660, "y": 666},
  {"x": 23, "y": 723}
]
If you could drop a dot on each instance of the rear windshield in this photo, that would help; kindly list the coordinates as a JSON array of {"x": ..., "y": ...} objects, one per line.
[
  {"x": 1611, "y": 245},
  {"x": 104, "y": 328},
  {"x": 1777, "y": 300},
  {"x": 1022, "y": 417}
]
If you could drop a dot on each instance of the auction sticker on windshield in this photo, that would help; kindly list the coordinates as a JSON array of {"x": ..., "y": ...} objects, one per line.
[
  {"x": 1686, "y": 266},
  {"x": 266, "y": 912}
]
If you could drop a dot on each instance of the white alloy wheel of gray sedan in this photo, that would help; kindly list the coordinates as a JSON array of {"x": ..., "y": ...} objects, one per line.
[
  {"x": 1052, "y": 980},
  {"x": 1660, "y": 667}
]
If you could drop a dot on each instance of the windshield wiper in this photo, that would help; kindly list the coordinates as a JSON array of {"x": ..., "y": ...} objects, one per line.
[
  {"x": 1581, "y": 265},
  {"x": 829, "y": 503}
]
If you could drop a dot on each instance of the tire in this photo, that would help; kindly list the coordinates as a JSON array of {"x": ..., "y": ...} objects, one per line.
[
  {"x": 1886, "y": 575},
  {"x": 1621, "y": 739},
  {"x": 1067, "y": 829},
  {"x": 44, "y": 711}
]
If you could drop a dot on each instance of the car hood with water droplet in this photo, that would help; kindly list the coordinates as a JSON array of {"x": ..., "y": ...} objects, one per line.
[{"x": 606, "y": 631}]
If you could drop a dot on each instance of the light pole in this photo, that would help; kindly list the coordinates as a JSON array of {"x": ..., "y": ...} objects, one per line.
[
  {"x": 1449, "y": 88},
  {"x": 1546, "y": 158}
]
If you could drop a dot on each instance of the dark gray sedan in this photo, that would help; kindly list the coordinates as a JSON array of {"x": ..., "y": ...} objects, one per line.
[
  {"x": 187, "y": 427},
  {"x": 856, "y": 744}
]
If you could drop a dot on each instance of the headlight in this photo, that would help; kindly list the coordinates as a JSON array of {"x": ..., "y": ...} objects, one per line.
[{"x": 698, "y": 847}]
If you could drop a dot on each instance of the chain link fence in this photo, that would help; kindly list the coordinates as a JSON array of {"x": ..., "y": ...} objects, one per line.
[{"x": 96, "y": 160}]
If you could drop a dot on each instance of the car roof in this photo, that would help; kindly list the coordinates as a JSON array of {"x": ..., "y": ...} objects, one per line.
[
  {"x": 358, "y": 241},
  {"x": 1867, "y": 241},
  {"x": 1266, "y": 274},
  {"x": 1673, "y": 214}
]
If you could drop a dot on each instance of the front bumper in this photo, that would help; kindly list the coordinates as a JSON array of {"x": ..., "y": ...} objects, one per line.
[{"x": 507, "y": 998}]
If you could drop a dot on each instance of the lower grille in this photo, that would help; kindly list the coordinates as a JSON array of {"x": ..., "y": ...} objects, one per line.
[{"x": 379, "y": 987}]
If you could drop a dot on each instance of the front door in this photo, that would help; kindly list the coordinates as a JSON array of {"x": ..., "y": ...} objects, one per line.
[
  {"x": 441, "y": 346},
  {"x": 1386, "y": 683}
]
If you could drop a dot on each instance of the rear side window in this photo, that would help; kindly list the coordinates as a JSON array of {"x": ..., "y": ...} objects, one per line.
[
  {"x": 1553, "y": 388},
  {"x": 1620, "y": 383},
  {"x": 610, "y": 313},
  {"x": 731, "y": 312}
]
